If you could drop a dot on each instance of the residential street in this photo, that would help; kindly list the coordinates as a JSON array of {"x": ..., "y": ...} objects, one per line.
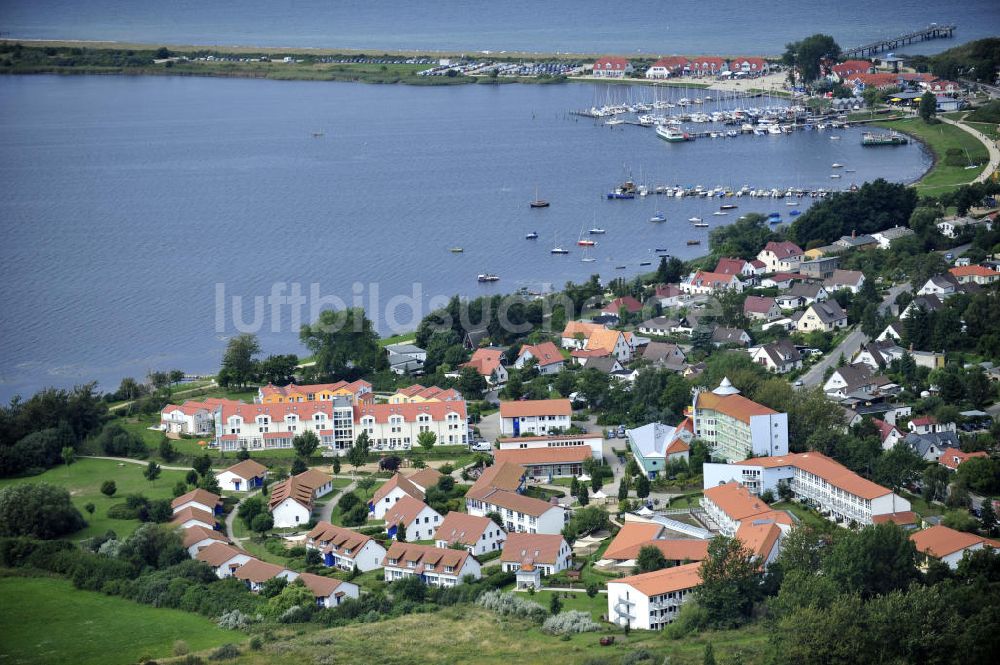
[{"x": 851, "y": 343}]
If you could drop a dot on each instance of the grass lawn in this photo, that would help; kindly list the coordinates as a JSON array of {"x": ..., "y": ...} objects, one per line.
[
  {"x": 686, "y": 501},
  {"x": 807, "y": 516},
  {"x": 83, "y": 480},
  {"x": 596, "y": 606},
  {"x": 61, "y": 624},
  {"x": 919, "y": 506},
  {"x": 470, "y": 635},
  {"x": 939, "y": 138}
]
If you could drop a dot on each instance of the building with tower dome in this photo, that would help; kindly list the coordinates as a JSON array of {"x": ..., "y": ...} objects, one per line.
[{"x": 736, "y": 427}]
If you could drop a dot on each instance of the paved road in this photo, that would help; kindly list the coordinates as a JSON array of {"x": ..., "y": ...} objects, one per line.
[
  {"x": 326, "y": 511},
  {"x": 137, "y": 461},
  {"x": 851, "y": 343},
  {"x": 990, "y": 144},
  {"x": 231, "y": 519}
]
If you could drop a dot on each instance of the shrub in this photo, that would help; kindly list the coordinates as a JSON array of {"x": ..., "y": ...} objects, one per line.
[
  {"x": 638, "y": 656},
  {"x": 570, "y": 622},
  {"x": 234, "y": 620},
  {"x": 108, "y": 488},
  {"x": 348, "y": 501},
  {"x": 225, "y": 652},
  {"x": 40, "y": 510},
  {"x": 356, "y": 516},
  {"x": 181, "y": 648},
  {"x": 508, "y": 604},
  {"x": 256, "y": 643}
]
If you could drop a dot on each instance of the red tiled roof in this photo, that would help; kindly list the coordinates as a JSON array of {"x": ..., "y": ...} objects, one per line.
[
  {"x": 783, "y": 249},
  {"x": 672, "y": 62},
  {"x": 758, "y": 304},
  {"x": 545, "y": 353},
  {"x": 611, "y": 62},
  {"x": 953, "y": 457},
  {"x": 258, "y": 571},
  {"x": 729, "y": 266},
  {"x": 322, "y": 587},
  {"x": 217, "y": 554},
  {"x": 736, "y": 501},
  {"x": 532, "y": 548},
  {"x": 462, "y": 528},
  {"x": 556, "y": 455},
  {"x": 426, "y": 558},
  {"x": 486, "y": 360},
  {"x": 939, "y": 541},
  {"x": 902, "y": 518},
  {"x": 198, "y": 495},
  {"x": 630, "y": 304},
  {"x": 409, "y": 412},
  {"x": 189, "y": 513},
  {"x": 736, "y": 406},
  {"x": 973, "y": 271},
  {"x": 664, "y": 581},
  {"x": 195, "y": 534},
  {"x": 822, "y": 466},
  {"x": 247, "y": 469},
  {"x": 404, "y": 511}
]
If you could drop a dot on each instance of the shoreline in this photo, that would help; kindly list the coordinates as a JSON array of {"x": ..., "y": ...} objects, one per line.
[{"x": 332, "y": 50}]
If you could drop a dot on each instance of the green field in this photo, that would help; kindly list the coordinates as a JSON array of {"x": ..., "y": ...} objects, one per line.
[
  {"x": 51, "y": 622},
  {"x": 83, "y": 480},
  {"x": 470, "y": 635},
  {"x": 939, "y": 138},
  {"x": 597, "y": 606}
]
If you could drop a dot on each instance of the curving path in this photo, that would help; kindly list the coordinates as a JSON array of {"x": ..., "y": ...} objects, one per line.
[
  {"x": 140, "y": 462},
  {"x": 991, "y": 148}
]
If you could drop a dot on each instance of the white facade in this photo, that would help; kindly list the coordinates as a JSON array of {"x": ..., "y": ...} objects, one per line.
[
  {"x": 535, "y": 425},
  {"x": 595, "y": 441},
  {"x": 561, "y": 562},
  {"x": 187, "y": 420},
  {"x": 368, "y": 557},
  {"x": 290, "y": 513},
  {"x": 231, "y": 482},
  {"x": 397, "y": 571},
  {"x": 380, "y": 508},
  {"x": 628, "y": 605},
  {"x": 422, "y": 527},
  {"x": 194, "y": 504},
  {"x": 491, "y": 540},
  {"x": 550, "y": 521},
  {"x": 227, "y": 568}
]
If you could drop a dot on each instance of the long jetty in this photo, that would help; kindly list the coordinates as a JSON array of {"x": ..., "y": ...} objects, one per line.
[{"x": 933, "y": 31}]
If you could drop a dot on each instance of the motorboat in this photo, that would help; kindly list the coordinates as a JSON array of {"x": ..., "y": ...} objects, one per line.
[
  {"x": 658, "y": 217},
  {"x": 456, "y": 250},
  {"x": 596, "y": 231},
  {"x": 558, "y": 250},
  {"x": 728, "y": 206},
  {"x": 672, "y": 134},
  {"x": 489, "y": 277},
  {"x": 720, "y": 213},
  {"x": 532, "y": 236},
  {"x": 694, "y": 220}
]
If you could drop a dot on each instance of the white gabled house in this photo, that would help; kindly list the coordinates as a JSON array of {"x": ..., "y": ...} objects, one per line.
[
  {"x": 254, "y": 573},
  {"x": 479, "y": 535},
  {"x": 539, "y": 554},
  {"x": 242, "y": 476},
  {"x": 345, "y": 548},
  {"x": 432, "y": 565},
  {"x": 200, "y": 499},
  {"x": 197, "y": 538},
  {"x": 417, "y": 518},
  {"x": 385, "y": 497},
  {"x": 329, "y": 591},
  {"x": 223, "y": 559}
]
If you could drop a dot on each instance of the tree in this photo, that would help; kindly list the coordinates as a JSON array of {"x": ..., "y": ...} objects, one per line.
[
  {"x": 167, "y": 452},
  {"x": 988, "y": 517},
  {"x": 239, "y": 365},
  {"x": 262, "y": 523},
  {"x": 928, "y": 106},
  {"x": 709, "y": 657},
  {"x": 980, "y": 474},
  {"x": 875, "y": 560},
  {"x": 39, "y": 510},
  {"x": 242, "y": 454},
  {"x": 279, "y": 370},
  {"x": 305, "y": 444},
  {"x": 471, "y": 383},
  {"x": 191, "y": 477},
  {"x": 356, "y": 516},
  {"x": 592, "y": 589},
  {"x": 555, "y": 605},
  {"x": 344, "y": 344},
  {"x": 642, "y": 486},
  {"x": 934, "y": 483},
  {"x": 202, "y": 464},
  {"x": 446, "y": 484},
  {"x": 336, "y": 465},
  {"x": 497, "y": 519},
  {"x": 108, "y": 488},
  {"x": 623, "y": 487},
  {"x": 807, "y": 54},
  {"x": 401, "y": 532},
  {"x": 249, "y": 509},
  {"x": 180, "y": 488},
  {"x": 650, "y": 558},
  {"x": 583, "y": 495},
  {"x": 89, "y": 507},
  {"x": 731, "y": 583},
  {"x": 898, "y": 466},
  {"x": 426, "y": 440},
  {"x": 68, "y": 455},
  {"x": 298, "y": 466},
  {"x": 152, "y": 471},
  {"x": 358, "y": 454},
  {"x": 670, "y": 270}
]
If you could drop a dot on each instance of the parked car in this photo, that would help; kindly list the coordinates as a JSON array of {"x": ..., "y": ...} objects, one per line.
[
  {"x": 481, "y": 446},
  {"x": 611, "y": 434}
]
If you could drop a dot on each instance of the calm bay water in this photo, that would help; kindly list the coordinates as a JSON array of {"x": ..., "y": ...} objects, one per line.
[
  {"x": 127, "y": 200},
  {"x": 584, "y": 26}
]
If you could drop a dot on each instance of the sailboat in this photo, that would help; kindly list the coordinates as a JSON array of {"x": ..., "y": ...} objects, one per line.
[
  {"x": 556, "y": 249},
  {"x": 658, "y": 217},
  {"x": 585, "y": 242},
  {"x": 531, "y": 236},
  {"x": 538, "y": 203},
  {"x": 587, "y": 258}
]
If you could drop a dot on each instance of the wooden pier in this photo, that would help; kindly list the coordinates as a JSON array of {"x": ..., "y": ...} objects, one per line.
[{"x": 933, "y": 31}]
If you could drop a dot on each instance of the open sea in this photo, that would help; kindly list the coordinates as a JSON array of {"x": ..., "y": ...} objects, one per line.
[
  {"x": 584, "y": 26},
  {"x": 131, "y": 207}
]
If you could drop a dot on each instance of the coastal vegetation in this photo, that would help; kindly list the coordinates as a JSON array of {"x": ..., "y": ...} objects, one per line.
[
  {"x": 977, "y": 61},
  {"x": 941, "y": 138},
  {"x": 805, "y": 55}
]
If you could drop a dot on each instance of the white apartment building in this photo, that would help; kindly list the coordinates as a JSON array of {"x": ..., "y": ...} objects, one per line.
[
  {"x": 735, "y": 426},
  {"x": 536, "y": 417},
  {"x": 479, "y": 535},
  {"x": 547, "y": 553},
  {"x": 833, "y": 488},
  {"x": 338, "y": 423},
  {"x": 651, "y": 600}
]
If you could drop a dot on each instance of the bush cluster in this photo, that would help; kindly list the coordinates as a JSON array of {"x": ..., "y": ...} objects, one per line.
[{"x": 570, "y": 622}]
